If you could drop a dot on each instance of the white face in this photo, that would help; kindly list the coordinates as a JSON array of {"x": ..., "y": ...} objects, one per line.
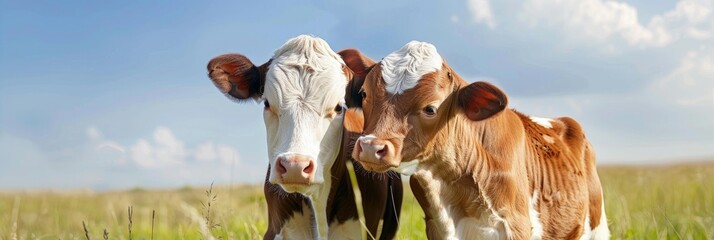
[{"x": 303, "y": 117}]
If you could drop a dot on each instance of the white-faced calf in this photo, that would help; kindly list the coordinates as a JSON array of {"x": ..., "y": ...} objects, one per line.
[
  {"x": 303, "y": 91},
  {"x": 481, "y": 171}
]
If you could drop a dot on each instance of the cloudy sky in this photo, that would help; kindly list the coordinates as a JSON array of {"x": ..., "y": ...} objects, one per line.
[{"x": 115, "y": 95}]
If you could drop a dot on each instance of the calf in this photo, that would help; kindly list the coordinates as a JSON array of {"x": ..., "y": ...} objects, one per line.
[
  {"x": 307, "y": 188},
  {"x": 479, "y": 170}
]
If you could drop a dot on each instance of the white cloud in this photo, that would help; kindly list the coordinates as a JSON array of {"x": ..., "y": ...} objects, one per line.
[
  {"x": 227, "y": 154},
  {"x": 93, "y": 133},
  {"x": 111, "y": 145},
  {"x": 166, "y": 150},
  {"x": 101, "y": 144},
  {"x": 482, "y": 13},
  {"x": 691, "y": 83},
  {"x": 143, "y": 154},
  {"x": 693, "y": 11},
  {"x": 209, "y": 152},
  {"x": 166, "y": 159},
  {"x": 205, "y": 152},
  {"x": 604, "y": 20}
]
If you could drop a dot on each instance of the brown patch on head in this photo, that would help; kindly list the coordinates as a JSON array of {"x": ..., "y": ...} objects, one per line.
[
  {"x": 354, "y": 120},
  {"x": 405, "y": 122}
]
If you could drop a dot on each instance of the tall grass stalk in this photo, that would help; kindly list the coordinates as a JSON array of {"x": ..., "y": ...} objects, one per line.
[
  {"x": 86, "y": 232},
  {"x": 130, "y": 215},
  {"x": 15, "y": 215},
  {"x": 198, "y": 219},
  {"x": 358, "y": 199},
  {"x": 153, "y": 217}
]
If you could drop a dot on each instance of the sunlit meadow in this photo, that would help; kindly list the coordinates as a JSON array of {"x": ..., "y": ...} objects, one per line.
[{"x": 658, "y": 202}]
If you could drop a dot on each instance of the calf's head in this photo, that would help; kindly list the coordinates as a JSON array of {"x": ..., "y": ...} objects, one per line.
[
  {"x": 408, "y": 99},
  {"x": 302, "y": 88}
]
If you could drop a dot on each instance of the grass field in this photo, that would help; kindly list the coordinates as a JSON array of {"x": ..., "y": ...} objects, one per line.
[{"x": 662, "y": 202}]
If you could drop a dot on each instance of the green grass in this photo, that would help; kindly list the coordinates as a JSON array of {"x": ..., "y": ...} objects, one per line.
[{"x": 664, "y": 202}]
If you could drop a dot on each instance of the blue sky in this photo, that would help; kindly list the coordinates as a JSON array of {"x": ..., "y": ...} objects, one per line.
[{"x": 115, "y": 94}]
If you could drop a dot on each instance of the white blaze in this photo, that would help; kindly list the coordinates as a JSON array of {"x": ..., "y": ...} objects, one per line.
[
  {"x": 402, "y": 70},
  {"x": 305, "y": 79}
]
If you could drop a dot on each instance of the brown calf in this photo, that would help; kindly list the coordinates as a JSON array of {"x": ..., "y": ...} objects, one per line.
[{"x": 481, "y": 171}]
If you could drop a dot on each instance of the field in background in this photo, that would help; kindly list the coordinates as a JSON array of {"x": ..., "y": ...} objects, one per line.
[{"x": 663, "y": 202}]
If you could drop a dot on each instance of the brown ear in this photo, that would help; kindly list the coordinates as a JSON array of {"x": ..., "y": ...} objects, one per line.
[
  {"x": 236, "y": 76},
  {"x": 360, "y": 66},
  {"x": 481, "y": 100},
  {"x": 356, "y": 61},
  {"x": 354, "y": 120}
]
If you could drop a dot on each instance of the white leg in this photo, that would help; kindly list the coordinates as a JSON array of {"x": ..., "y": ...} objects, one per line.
[{"x": 602, "y": 231}]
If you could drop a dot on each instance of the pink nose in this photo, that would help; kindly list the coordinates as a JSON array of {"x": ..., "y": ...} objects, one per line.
[
  {"x": 295, "y": 169},
  {"x": 371, "y": 151}
]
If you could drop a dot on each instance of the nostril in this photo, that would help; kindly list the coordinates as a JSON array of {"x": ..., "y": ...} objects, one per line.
[
  {"x": 310, "y": 167},
  {"x": 281, "y": 169},
  {"x": 382, "y": 151}
]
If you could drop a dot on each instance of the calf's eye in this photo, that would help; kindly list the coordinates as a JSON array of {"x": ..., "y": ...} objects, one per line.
[
  {"x": 338, "y": 109},
  {"x": 362, "y": 94},
  {"x": 266, "y": 104},
  {"x": 430, "y": 111}
]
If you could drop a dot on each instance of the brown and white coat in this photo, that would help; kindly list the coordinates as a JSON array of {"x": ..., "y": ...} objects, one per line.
[
  {"x": 480, "y": 170},
  {"x": 307, "y": 188}
]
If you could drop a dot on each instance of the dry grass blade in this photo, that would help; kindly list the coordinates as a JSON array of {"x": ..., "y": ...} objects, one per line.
[
  {"x": 15, "y": 215},
  {"x": 210, "y": 200},
  {"x": 153, "y": 217},
  {"x": 380, "y": 225},
  {"x": 670, "y": 223},
  {"x": 13, "y": 233},
  {"x": 394, "y": 206},
  {"x": 131, "y": 214},
  {"x": 358, "y": 199},
  {"x": 86, "y": 232},
  {"x": 196, "y": 217}
]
